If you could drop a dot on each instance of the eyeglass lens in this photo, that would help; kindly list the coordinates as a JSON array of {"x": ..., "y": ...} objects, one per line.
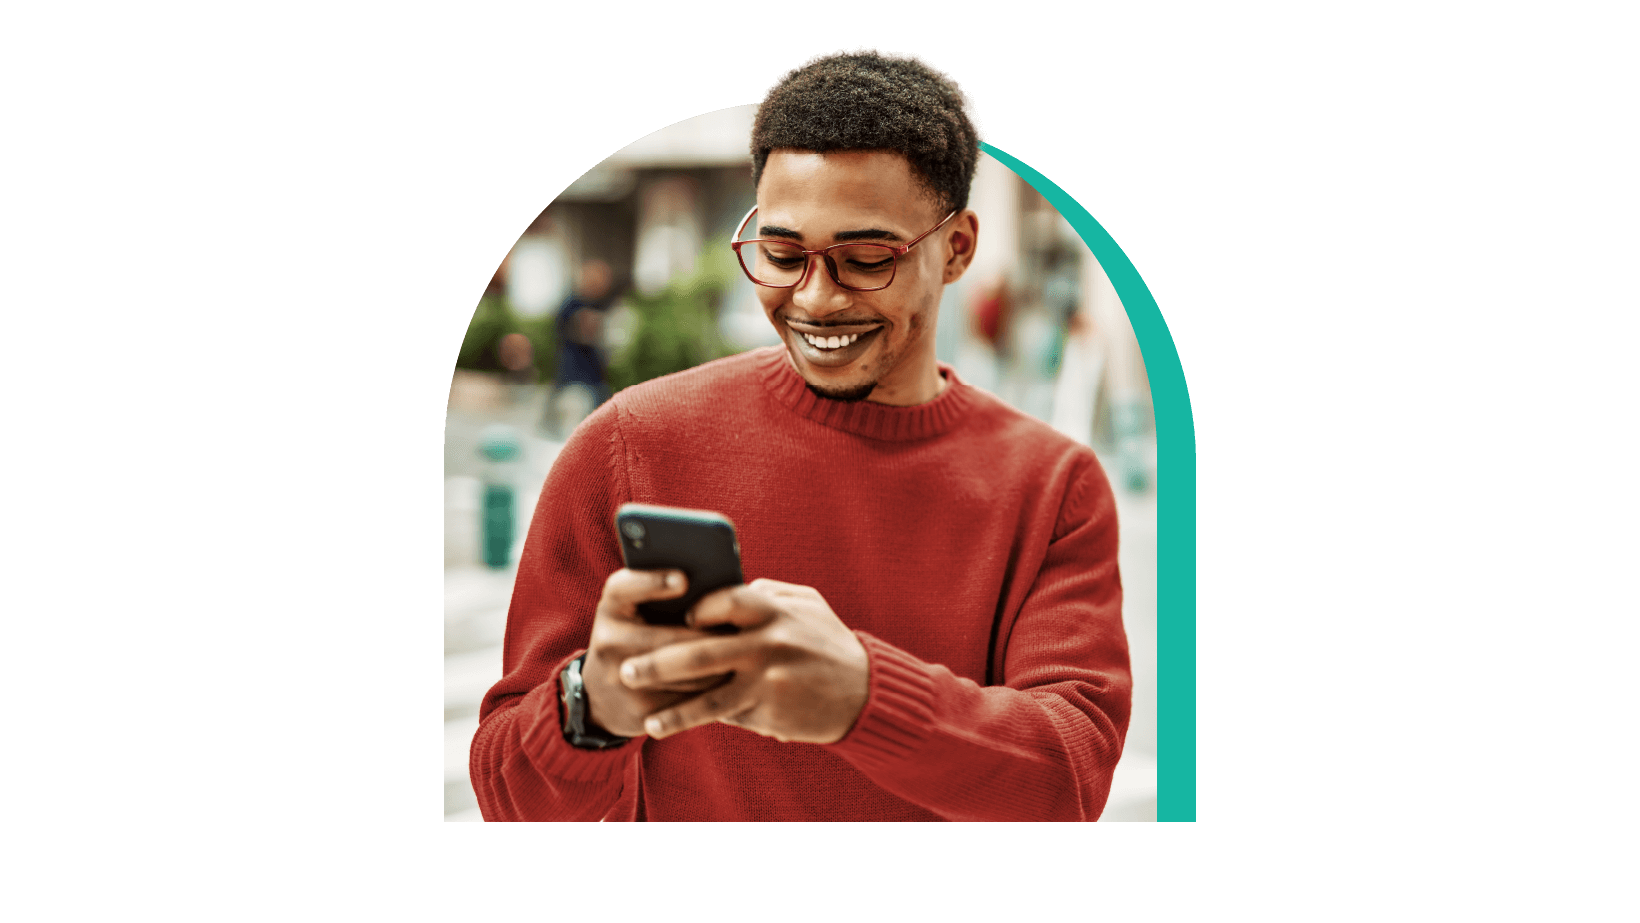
[{"x": 860, "y": 266}]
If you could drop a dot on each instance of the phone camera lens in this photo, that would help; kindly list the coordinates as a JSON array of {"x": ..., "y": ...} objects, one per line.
[{"x": 633, "y": 530}]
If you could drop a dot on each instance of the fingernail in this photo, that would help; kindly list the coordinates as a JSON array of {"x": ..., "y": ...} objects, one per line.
[
  {"x": 652, "y": 727},
  {"x": 672, "y": 578},
  {"x": 629, "y": 672}
]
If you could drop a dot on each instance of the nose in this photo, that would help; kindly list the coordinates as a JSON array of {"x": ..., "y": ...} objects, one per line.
[{"x": 817, "y": 294}]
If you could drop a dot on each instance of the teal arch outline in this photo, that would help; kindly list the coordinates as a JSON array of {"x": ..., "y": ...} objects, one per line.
[{"x": 1175, "y": 505}]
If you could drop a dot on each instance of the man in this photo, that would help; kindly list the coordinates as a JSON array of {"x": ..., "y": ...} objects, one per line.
[
  {"x": 580, "y": 326},
  {"x": 579, "y": 384},
  {"x": 935, "y": 628}
]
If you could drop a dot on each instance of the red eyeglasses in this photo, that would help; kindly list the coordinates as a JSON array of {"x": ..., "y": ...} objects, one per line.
[{"x": 860, "y": 267}]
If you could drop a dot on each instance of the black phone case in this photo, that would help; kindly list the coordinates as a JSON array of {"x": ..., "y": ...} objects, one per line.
[{"x": 702, "y": 544}]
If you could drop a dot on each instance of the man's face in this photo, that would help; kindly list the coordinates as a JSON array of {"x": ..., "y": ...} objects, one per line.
[{"x": 816, "y": 200}]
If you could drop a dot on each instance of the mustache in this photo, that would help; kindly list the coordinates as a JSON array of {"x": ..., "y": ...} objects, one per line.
[{"x": 830, "y": 321}]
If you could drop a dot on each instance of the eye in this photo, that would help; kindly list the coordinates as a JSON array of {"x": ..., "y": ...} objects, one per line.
[{"x": 783, "y": 257}]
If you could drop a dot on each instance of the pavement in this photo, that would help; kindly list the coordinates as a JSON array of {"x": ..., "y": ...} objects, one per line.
[{"x": 476, "y": 598}]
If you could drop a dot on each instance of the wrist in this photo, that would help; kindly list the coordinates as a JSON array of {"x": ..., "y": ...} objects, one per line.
[{"x": 578, "y": 727}]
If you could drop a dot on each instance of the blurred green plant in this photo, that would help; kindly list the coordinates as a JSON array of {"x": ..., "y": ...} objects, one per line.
[
  {"x": 494, "y": 319},
  {"x": 677, "y": 327}
]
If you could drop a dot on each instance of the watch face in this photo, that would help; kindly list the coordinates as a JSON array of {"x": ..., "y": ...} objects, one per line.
[{"x": 570, "y": 694}]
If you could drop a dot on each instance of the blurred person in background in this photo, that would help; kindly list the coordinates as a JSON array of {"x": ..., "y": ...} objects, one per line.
[
  {"x": 581, "y": 385},
  {"x": 935, "y": 631},
  {"x": 990, "y": 312}
]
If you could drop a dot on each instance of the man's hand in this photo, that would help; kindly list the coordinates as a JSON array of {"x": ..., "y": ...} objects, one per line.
[
  {"x": 619, "y": 633},
  {"x": 799, "y": 672}
]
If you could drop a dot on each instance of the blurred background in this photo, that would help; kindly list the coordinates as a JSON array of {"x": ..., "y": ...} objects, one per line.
[{"x": 628, "y": 275}]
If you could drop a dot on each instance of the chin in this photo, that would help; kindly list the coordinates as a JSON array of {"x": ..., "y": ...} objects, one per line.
[{"x": 848, "y": 393}]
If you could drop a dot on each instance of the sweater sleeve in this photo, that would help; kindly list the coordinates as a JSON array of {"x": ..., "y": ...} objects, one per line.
[
  {"x": 1043, "y": 745},
  {"x": 521, "y": 766}
]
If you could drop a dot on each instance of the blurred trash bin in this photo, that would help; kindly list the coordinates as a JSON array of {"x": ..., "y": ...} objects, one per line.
[{"x": 501, "y": 447}]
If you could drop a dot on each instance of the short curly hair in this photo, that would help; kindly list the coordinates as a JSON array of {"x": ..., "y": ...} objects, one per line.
[{"x": 868, "y": 101}]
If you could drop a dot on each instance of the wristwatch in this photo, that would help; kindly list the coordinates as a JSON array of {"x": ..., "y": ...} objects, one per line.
[{"x": 578, "y": 727}]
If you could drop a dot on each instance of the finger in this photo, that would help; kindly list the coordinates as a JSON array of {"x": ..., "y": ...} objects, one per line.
[
  {"x": 725, "y": 701},
  {"x": 740, "y": 606},
  {"x": 626, "y": 588},
  {"x": 690, "y": 660},
  {"x": 616, "y": 639},
  {"x": 778, "y": 588},
  {"x": 693, "y": 685}
]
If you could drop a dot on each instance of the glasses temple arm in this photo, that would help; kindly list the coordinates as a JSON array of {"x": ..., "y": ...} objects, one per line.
[
  {"x": 744, "y": 221},
  {"x": 919, "y": 236}
]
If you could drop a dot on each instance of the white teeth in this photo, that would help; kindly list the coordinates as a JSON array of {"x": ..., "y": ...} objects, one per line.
[{"x": 830, "y": 342}]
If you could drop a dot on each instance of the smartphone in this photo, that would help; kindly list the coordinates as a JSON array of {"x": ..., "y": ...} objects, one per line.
[{"x": 702, "y": 544}]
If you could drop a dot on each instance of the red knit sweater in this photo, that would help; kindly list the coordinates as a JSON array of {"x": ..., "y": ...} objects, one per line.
[{"x": 972, "y": 548}]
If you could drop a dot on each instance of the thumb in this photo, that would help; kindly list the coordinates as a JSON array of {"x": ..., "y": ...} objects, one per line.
[{"x": 736, "y": 606}]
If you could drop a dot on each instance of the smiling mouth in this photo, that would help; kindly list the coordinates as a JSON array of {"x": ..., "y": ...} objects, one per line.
[
  {"x": 832, "y": 345},
  {"x": 843, "y": 331}
]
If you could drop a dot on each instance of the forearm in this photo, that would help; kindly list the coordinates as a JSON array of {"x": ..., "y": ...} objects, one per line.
[
  {"x": 523, "y": 769},
  {"x": 974, "y": 753}
]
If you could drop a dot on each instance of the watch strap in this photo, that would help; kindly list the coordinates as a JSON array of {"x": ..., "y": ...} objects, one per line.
[{"x": 578, "y": 727}]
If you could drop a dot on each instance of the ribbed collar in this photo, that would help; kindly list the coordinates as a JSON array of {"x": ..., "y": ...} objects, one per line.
[{"x": 864, "y": 418}]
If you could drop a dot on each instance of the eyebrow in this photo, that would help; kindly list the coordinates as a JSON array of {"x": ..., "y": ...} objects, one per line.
[{"x": 775, "y": 230}]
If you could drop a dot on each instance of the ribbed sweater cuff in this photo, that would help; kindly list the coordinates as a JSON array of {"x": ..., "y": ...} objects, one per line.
[
  {"x": 543, "y": 739},
  {"x": 899, "y": 712}
]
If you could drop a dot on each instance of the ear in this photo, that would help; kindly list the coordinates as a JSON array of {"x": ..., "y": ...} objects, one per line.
[{"x": 961, "y": 239}]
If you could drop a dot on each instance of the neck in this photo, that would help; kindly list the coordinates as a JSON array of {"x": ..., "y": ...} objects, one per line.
[{"x": 925, "y": 388}]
